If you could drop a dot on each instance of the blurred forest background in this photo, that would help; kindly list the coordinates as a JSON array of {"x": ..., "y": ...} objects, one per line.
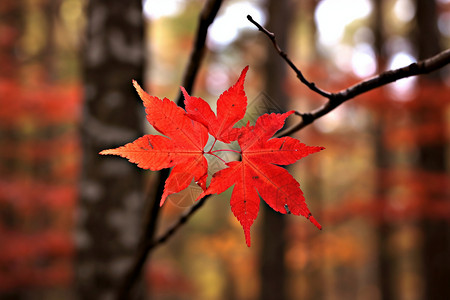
[{"x": 381, "y": 189}]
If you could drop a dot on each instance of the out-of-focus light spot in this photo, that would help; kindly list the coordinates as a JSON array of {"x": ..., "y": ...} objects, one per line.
[
  {"x": 363, "y": 60},
  {"x": 71, "y": 10},
  {"x": 444, "y": 1},
  {"x": 221, "y": 33},
  {"x": 342, "y": 57},
  {"x": 154, "y": 9},
  {"x": 333, "y": 16},
  {"x": 332, "y": 121},
  {"x": 231, "y": 22},
  {"x": 402, "y": 89},
  {"x": 444, "y": 24},
  {"x": 404, "y": 10},
  {"x": 217, "y": 80},
  {"x": 345, "y": 118}
]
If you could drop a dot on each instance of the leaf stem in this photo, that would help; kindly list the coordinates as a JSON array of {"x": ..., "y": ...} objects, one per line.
[
  {"x": 215, "y": 140},
  {"x": 216, "y": 156},
  {"x": 230, "y": 150}
]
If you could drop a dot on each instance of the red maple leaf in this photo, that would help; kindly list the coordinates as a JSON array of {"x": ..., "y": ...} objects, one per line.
[
  {"x": 258, "y": 174},
  {"x": 186, "y": 134},
  {"x": 181, "y": 149},
  {"x": 231, "y": 107}
]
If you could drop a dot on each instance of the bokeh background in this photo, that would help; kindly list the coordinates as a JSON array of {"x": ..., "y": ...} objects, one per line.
[{"x": 381, "y": 188}]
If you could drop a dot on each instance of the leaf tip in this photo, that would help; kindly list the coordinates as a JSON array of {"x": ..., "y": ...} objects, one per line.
[
  {"x": 247, "y": 235},
  {"x": 139, "y": 90},
  {"x": 248, "y": 240},
  {"x": 314, "y": 221},
  {"x": 241, "y": 79},
  {"x": 244, "y": 71},
  {"x": 287, "y": 114},
  {"x": 105, "y": 152},
  {"x": 163, "y": 198},
  {"x": 314, "y": 149},
  {"x": 135, "y": 84},
  {"x": 185, "y": 94}
]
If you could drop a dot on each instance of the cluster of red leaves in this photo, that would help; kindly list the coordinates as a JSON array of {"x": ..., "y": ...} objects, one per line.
[{"x": 258, "y": 173}]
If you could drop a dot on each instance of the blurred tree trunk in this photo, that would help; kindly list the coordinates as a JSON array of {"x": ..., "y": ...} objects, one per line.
[
  {"x": 315, "y": 283},
  {"x": 273, "y": 270},
  {"x": 111, "y": 189},
  {"x": 12, "y": 28},
  {"x": 51, "y": 12},
  {"x": 12, "y": 25},
  {"x": 432, "y": 160},
  {"x": 382, "y": 155},
  {"x": 384, "y": 228}
]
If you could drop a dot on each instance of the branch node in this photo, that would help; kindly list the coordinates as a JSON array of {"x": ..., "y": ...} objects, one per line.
[
  {"x": 414, "y": 67},
  {"x": 307, "y": 118}
]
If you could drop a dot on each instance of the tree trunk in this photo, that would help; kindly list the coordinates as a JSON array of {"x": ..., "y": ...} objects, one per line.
[
  {"x": 432, "y": 159},
  {"x": 50, "y": 10},
  {"x": 12, "y": 26},
  {"x": 12, "y": 23},
  {"x": 111, "y": 189},
  {"x": 273, "y": 270},
  {"x": 384, "y": 228}
]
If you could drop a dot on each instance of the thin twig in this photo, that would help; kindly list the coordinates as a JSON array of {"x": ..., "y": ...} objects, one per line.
[
  {"x": 311, "y": 85},
  {"x": 335, "y": 99},
  {"x": 180, "y": 222}
]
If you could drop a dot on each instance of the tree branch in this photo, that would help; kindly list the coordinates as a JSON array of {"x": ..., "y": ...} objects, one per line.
[
  {"x": 422, "y": 67},
  {"x": 207, "y": 16},
  {"x": 335, "y": 99}
]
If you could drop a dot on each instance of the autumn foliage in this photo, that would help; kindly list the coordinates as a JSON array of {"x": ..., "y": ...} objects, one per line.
[
  {"x": 39, "y": 167},
  {"x": 257, "y": 173}
]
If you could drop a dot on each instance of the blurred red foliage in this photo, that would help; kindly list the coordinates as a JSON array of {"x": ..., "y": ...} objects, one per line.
[{"x": 39, "y": 161}]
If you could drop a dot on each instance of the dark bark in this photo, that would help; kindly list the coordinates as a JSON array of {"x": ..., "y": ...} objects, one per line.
[
  {"x": 12, "y": 22},
  {"x": 427, "y": 35},
  {"x": 432, "y": 159},
  {"x": 384, "y": 228},
  {"x": 111, "y": 189},
  {"x": 273, "y": 246},
  {"x": 50, "y": 10}
]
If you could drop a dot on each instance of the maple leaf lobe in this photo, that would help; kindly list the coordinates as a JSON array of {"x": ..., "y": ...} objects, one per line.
[
  {"x": 180, "y": 148},
  {"x": 231, "y": 108}
]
